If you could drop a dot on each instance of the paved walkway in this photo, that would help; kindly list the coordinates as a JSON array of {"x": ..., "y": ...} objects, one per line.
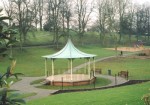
[
  {"x": 24, "y": 86},
  {"x": 114, "y": 80}
]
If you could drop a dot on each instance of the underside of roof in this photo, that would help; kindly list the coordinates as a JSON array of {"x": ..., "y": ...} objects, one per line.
[{"x": 69, "y": 51}]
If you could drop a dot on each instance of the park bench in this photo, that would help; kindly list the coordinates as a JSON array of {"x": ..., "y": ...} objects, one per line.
[
  {"x": 124, "y": 74},
  {"x": 98, "y": 71}
]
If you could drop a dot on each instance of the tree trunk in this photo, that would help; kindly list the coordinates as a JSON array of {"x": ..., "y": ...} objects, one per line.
[
  {"x": 40, "y": 23},
  {"x": 120, "y": 37},
  {"x": 129, "y": 39}
]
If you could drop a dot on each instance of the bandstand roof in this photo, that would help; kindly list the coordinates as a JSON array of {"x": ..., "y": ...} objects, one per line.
[{"x": 69, "y": 51}]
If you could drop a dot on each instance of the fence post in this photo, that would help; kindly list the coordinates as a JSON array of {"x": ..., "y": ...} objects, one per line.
[
  {"x": 62, "y": 83},
  {"x": 115, "y": 79}
]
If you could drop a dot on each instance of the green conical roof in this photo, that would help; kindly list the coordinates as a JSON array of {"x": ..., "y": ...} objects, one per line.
[{"x": 69, "y": 51}]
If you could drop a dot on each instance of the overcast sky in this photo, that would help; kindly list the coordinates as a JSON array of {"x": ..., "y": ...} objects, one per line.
[
  {"x": 135, "y": 1},
  {"x": 141, "y": 1}
]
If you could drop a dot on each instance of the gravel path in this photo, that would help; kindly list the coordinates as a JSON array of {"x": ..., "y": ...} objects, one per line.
[{"x": 24, "y": 86}]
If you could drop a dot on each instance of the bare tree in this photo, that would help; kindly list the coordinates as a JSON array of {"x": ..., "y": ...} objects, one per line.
[
  {"x": 147, "y": 17},
  {"x": 8, "y": 8},
  {"x": 40, "y": 12},
  {"x": 53, "y": 18},
  {"x": 66, "y": 16},
  {"x": 35, "y": 9},
  {"x": 23, "y": 17},
  {"x": 131, "y": 14},
  {"x": 139, "y": 21},
  {"x": 83, "y": 11},
  {"x": 101, "y": 18},
  {"x": 106, "y": 13},
  {"x": 122, "y": 9}
]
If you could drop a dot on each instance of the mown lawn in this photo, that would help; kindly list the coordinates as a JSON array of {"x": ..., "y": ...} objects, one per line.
[
  {"x": 31, "y": 63},
  {"x": 127, "y": 95},
  {"x": 137, "y": 68}
]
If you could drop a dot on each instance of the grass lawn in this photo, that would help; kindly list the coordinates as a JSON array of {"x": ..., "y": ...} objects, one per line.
[
  {"x": 38, "y": 38},
  {"x": 127, "y": 95},
  {"x": 31, "y": 63},
  {"x": 25, "y": 95},
  {"x": 137, "y": 68}
]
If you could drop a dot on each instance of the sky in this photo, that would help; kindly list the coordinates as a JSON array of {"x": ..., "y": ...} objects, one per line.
[
  {"x": 135, "y": 1},
  {"x": 141, "y": 1}
]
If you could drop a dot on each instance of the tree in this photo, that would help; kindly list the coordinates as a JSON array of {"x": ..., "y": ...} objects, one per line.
[
  {"x": 40, "y": 12},
  {"x": 106, "y": 23},
  {"x": 102, "y": 19},
  {"x": 83, "y": 15},
  {"x": 66, "y": 15},
  {"x": 36, "y": 19},
  {"x": 7, "y": 37},
  {"x": 53, "y": 18},
  {"x": 130, "y": 22},
  {"x": 140, "y": 22},
  {"x": 23, "y": 18},
  {"x": 8, "y": 8},
  {"x": 58, "y": 18},
  {"x": 122, "y": 6},
  {"x": 147, "y": 22}
]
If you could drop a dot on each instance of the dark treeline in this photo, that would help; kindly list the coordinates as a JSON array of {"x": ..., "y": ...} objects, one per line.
[{"x": 61, "y": 17}]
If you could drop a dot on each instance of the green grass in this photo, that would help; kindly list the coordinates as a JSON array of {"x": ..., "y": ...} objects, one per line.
[
  {"x": 137, "y": 68},
  {"x": 38, "y": 38},
  {"x": 127, "y": 95},
  {"x": 99, "y": 82},
  {"x": 30, "y": 62},
  {"x": 26, "y": 95}
]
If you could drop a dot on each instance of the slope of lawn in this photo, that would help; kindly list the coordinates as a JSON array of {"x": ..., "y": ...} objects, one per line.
[
  {"x": 30, "y": 62},
  {"x": 137, "y": 68},
  {"x": 127, "y": 95},
  {"x": 38, "y": 38}
]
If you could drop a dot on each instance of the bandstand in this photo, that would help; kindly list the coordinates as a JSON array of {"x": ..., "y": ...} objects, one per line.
[{"x": 70, "y": 52}]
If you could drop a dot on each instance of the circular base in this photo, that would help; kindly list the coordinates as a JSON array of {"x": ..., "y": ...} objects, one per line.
[{"x": 67, "y": 80}]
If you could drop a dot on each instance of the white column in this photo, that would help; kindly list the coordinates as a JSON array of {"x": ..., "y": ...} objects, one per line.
[
  {"x": 71, "y": 68},
  {"x": 85, "y": 66},
  {"x": 89, "y": 68},
  {"x": 45, "y": 67},
  {"x": 68, "y": 66},
  {"x": 94, "y": 65},
  {"x": 52, "y": 69}
]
